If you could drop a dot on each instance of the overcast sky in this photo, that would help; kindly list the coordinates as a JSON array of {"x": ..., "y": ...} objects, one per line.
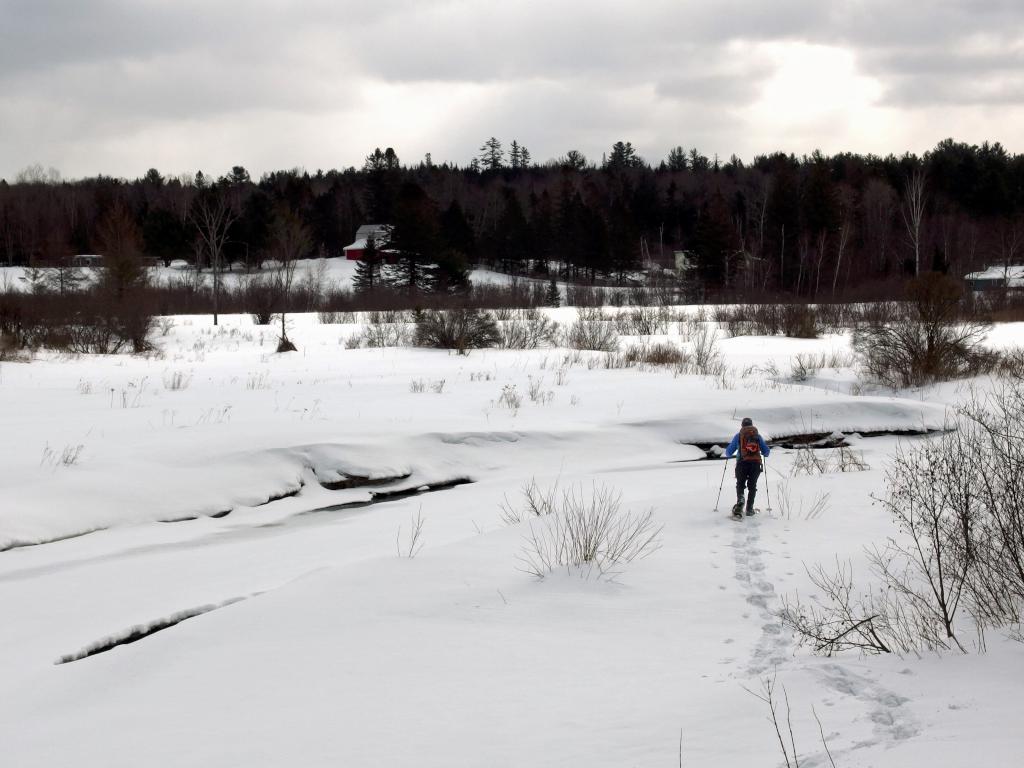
[{"x": 119, "y": 86}]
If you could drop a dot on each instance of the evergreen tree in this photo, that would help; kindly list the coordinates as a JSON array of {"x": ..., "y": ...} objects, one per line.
[
  {"x": 698, "y": 162},
  {"x": 573, "y": 160},
  {"x": 381, "y": 161},
  {"x": 452, "y": 273},
  {"x": 165, "y": 235},
  {"x": 64, "y": 277},
  {"x": 570, "y": 233},
  {"x": 511, "y": 234},
  {"x": 456, "y": 233},
  {"x": 677, "y": 159},
  {"x": 153, "y": 178},
  {"x": 541, "y": 231},
  {"x": 782, "y": 225},
  {"x": 238, "y": 176},
  {"x": 552, "y": 298},
  {"x": 382, "y": 178},
  {"x": 623, "y": 156},
  {"x": 492, "y": 156},
  {"x": 524, "y": 157},
  {"x": 623, "y": 241},
  {"x": 716, "y": 241},
  {"x": 414, "y": 240},
  {"x": 515, "y": 156},
  {"x": 368, "y": 278},
  {"x": 120, "y": 241}
]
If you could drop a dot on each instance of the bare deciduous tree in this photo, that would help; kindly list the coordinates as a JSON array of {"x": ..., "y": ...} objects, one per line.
[
  {"x": 291, "y": 240},
  {"x": 913, "y": 212},
  {"x": 213, "y": 216},
  {"x": 845, "y": 233}
]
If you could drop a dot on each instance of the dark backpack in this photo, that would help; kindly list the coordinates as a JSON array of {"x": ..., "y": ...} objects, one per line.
[{"x": 750, "y": 446}]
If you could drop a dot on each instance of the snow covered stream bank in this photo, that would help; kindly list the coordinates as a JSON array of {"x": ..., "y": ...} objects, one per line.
[{"x": 345, "y": 653}]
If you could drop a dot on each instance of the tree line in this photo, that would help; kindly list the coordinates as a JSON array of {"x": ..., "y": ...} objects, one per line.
[{"x": 813, "y": 227}]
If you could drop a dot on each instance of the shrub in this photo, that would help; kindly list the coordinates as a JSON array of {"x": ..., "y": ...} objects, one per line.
[
  {"x": 794, "y": 320},
  {"x": 1011, "y": 364},
  {"x": 909, "y": 353},
  {"x": 765, "y": 319},
  {"x": 644, "y": 321},
  {"x": 799, "y": 321},
  {"x": 806, "y": 366},
  {"x": 588, "y": 332},
  {"x": 382, "y": 335},
  {"x": 177, "y": 380},
  {"x": 93, "y": 322},
  {"x": 458, "y": 329},
  {"x": 928, "y": 343},
  {"x": 833, "y": 317},
  {"x": 536, "y": 503},
  {"x": 960, "y": 549},
  {"x": 735, "y": 320},
  {"x": 705, "y": 360},
  {"x": 8, "y": 346},
  {"x": 261, "y": 298},
  {"x": 588, "y": 530},
  {"x": 510, "y": 398},
  {"x": 585, "y": 296},
  {"x": 875, "y": 313},
  {"x": 134, "y": 319},
  {"x": 662, "y": 353},
  {"x": 332, "y": 317},
  {"x": 527, "y": 329}
]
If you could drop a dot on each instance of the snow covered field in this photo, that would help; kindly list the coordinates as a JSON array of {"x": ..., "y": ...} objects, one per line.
[
  {"x": 337, "y": 272},
  {"x": 204, "y": 482}
]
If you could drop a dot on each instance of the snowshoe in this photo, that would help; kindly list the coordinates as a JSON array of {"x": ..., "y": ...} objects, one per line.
[
  {"x": 751, "y": 512},
  {"x": 737, "y": 510}
]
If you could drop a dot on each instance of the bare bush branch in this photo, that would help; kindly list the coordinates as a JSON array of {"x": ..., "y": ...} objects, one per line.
[{"x": 585, "y": 530}]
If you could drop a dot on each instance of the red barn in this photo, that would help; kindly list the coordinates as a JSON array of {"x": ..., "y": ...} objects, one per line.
[{"x": 381, "y": 233}]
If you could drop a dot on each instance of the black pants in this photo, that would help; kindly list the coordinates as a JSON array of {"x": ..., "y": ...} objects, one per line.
[{"x": 747, "y": 473}]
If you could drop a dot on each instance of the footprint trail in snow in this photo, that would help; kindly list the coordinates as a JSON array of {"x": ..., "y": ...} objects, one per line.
[
  {"x": 772, "y": 645},
  {"x": 890, "y": 721}
]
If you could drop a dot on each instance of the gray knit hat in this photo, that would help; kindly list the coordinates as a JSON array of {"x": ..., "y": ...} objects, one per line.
[{"x": 747, "y": 422}]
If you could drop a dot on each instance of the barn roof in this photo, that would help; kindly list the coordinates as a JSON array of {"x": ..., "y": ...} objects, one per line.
[
  {"x": 381, "y": 234},
  {"x": 1013, "y": 275}
]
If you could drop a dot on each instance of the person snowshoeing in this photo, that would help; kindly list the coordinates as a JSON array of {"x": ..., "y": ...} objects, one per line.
[{"x": 752, "y": 448}]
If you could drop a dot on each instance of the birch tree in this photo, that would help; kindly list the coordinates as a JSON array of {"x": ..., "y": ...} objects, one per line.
[{"x": 913, "y": 213}]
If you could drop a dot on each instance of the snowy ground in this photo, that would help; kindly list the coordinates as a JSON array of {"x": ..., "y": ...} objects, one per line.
[
  {"x": 317, "y": 645},
  {"x": 336, "y": 273}
]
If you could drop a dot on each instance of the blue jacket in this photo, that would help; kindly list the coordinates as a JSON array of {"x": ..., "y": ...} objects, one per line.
[{"x": 735, "y": 444}]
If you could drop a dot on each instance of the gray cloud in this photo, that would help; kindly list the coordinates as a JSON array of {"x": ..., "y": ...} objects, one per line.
[{"x": 323, "y": 80}]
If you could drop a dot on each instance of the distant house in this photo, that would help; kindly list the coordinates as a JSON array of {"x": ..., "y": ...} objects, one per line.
[
  {"x": 996, "y": 278},
  {"x": 87, "y": 260},
  {"x": 380, "y": 233},
  {"x": 684, "y": 262}
]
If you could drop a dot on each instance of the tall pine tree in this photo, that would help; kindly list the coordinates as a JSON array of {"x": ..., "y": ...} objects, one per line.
[
  {"x": 368, "y": 276},
  {"x": 415, "y": 242},
  {"x": 492, "y": 156}
]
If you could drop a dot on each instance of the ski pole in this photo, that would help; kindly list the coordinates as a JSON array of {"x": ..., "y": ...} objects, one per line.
[
  {"x": 767, "y": 486},
  {"x": 722, "y": 484}
]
